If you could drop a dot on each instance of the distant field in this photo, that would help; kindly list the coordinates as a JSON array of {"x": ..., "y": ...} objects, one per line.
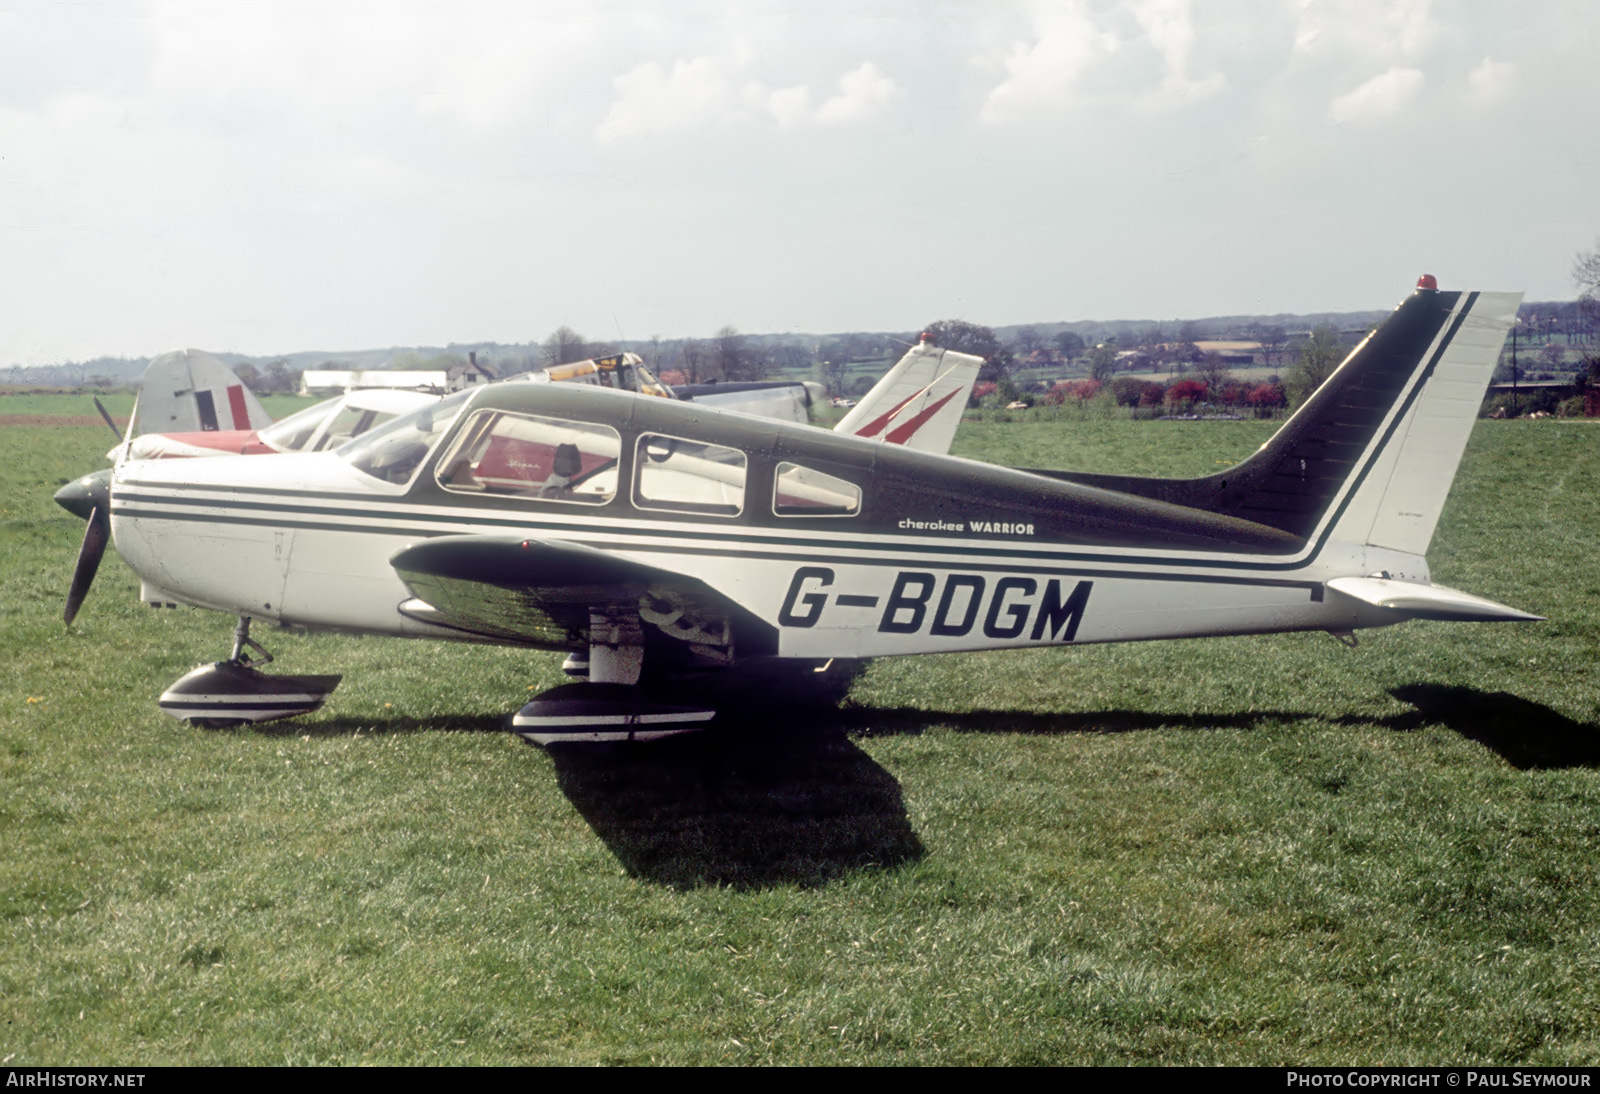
[
  {"x": 80, "y": 409},
  {"x": 1246, "y": 851}
]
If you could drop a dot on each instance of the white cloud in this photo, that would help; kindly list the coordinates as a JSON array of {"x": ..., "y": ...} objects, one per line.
[
  {"x": 654, "y": 101},
  {"x": 1491, "y": 80},
  {"x": 791, "y": 106},
  {"x": 1078, "y": 54},
  {"x": 1391, "y": 29},
  {"x": 1378, "y": 98},
  {"x": 709, "y": 93},
  {"x": 863, "y": 93},
  {"x": 1044, "y": 74},
  {"x": 1169, "y": 27}
]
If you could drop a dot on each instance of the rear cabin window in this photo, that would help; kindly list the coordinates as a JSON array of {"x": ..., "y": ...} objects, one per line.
[
  {"x": 804, "y": 492},
  {"x": 530, "y": 456},
  {"x": 685, "y": 476}
]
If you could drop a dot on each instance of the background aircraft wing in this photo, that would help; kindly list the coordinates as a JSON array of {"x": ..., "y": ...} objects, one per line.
[
  {"x": 786, "y": 401},
  {"x": 550, "y": 593}
]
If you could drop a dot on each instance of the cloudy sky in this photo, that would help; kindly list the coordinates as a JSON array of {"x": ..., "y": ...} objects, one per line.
[{"x": 274, "y": 176}]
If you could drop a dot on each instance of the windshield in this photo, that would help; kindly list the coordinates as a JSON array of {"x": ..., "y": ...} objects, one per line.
[
  {"x": 292, "y": 433},
  {"x": 394, "y": 451}
]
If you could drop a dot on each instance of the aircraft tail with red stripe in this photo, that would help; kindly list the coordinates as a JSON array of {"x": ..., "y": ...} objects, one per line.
[
  {"x": 919, "y": 402},
  {"x": 190, "y": 391}
]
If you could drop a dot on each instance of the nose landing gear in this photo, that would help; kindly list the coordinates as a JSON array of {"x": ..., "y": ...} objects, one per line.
[{"x": 235, "y": 692}]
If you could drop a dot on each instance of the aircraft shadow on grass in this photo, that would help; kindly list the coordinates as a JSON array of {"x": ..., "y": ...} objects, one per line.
[
  {"x": 773, "y": 794},
  {"x": 1526, "y": 734},
  {"x": 742, "y": 809},
  {"x": 781, "y": 796}
]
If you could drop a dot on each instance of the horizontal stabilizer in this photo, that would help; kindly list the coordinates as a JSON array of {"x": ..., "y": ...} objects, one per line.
[{"x": 1427, "y": 601}]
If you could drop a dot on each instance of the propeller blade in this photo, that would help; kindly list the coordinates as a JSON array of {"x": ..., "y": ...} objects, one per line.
[
  {"x": 107, "y": 416},
  {"x": 95, "y": 537}
]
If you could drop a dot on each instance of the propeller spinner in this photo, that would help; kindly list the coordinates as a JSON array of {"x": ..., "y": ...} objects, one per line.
[{"x": 89, "y": 498}]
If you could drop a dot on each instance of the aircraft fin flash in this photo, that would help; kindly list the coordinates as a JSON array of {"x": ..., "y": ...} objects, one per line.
[
  {"x": 653, "y": 538},
  {"x": 190, "y": 391},
  {"x": 919, "y": 402}
]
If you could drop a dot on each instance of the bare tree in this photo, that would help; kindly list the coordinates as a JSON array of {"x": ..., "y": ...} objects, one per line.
[
  {"x": 564, "y": 346},
  {"x": 1213, "y": 372},
  {"x": 1271, "y": 340},
  {"x": 731, "y": 356},
  {"x": 791, "y": 356},
  {"x": 691, "y": 360},
  {"x": 1586, "y": 272},
  {"x": 834, "y": 376}
]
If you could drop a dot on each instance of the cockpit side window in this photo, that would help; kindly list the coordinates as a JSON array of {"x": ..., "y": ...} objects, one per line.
[
  {"x": 684, "y": 476},
  {"x": 533, "y": 456},
  {"x": 799, "y": 491}
]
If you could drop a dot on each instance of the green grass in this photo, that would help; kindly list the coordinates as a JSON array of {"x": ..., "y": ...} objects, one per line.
[
  {"x": 1242, "y": 851},
  {"x": 119, "y": 403}
]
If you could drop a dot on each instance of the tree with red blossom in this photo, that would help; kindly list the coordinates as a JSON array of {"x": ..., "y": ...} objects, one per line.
[{"x": 1186, "y": 392}]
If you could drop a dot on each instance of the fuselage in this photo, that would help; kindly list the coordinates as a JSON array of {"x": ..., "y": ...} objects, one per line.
[{"x": 840, "y": 547}]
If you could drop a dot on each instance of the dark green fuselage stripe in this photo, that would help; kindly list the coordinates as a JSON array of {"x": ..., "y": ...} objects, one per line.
[{"x": 770, "y": 556}]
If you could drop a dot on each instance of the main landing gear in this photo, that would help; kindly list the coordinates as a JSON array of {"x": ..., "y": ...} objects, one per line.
[
  {"x": 611, "y": 706},
  {"x": 233, "y": 692}
]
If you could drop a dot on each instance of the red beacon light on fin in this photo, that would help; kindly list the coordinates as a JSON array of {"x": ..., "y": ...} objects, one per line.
[
  {"x": 1428, "y": 282},
  {"x": 926, "y": 337}
]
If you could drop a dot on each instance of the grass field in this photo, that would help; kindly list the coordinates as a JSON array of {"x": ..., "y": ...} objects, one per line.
[
  {"x": 118, "y": 403},
  {"x": 1247, "y": 851}
]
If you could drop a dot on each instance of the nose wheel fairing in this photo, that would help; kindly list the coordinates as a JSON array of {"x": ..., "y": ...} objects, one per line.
[
  {"x": 229, "y": 693},
  {"x": 234, "y": 692}
]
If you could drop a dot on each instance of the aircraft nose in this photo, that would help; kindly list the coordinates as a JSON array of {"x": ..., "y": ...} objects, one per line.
[{"x": 80, "y": 496}]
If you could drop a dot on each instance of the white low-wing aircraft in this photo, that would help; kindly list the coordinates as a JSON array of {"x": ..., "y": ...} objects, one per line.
[
  {"x": 917, "y": 403},
  {"x": 654, "y": 536}
]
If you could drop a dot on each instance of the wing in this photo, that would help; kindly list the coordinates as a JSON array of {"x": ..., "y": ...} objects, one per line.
[{"x": 549, "y": 592}]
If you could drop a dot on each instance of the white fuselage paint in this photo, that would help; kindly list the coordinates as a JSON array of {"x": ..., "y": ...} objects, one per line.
[{"x": 306, "y": 540}]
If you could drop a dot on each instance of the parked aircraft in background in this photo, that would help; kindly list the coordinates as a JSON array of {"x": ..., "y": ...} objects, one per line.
[
  {"x": 656, "y": 537},
  {"x": 190, "y": 391},
  {"x": 918, "y": 402}
]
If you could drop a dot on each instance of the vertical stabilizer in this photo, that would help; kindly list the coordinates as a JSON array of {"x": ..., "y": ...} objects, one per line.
[
  {"x": 190, "y": 391},
  {"x": 919, "y": 402},
  {"x": 1370, "y": 456},
  {"x": 1397, "y": 502}
]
